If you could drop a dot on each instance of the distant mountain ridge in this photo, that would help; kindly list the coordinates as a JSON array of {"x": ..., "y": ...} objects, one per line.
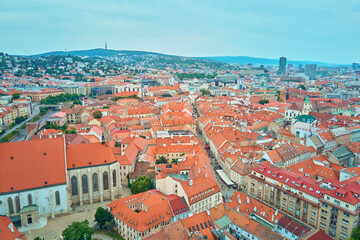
[
  {"x": 242, "y": 60},
  {"x": 258, "y": 61},
  {"x": 101, "y": 52}
]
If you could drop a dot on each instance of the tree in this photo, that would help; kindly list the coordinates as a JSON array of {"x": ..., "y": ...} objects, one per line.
[
  {"x": 97, "y": 114},
  {"x": 162, "y": 160},
  {"x": 263, "y": 101},
  {"x": 92, "y": 80},
  {"x": 78, "y": 231},
  {"x": 19, "y": 119},
  {"x": 16, "y": 96},
  {"x": 108, "y": 92},
  {"x": 355, "y": 234},
  {"x": 302, "y": 87},
  {"x": 77, "y": 102},
  {"x": 71, "y": 131},
  {"x": 205, "y": 92},
  {"x": 104, "y": 218},
  {"x": 141, "y": 184}
]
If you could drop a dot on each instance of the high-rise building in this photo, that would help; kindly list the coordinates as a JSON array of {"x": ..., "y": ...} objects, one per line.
[
  {"x": 310, "y": 71},
  {"x": 356, "y": 66},
  {"x": 282, "y": 66}
]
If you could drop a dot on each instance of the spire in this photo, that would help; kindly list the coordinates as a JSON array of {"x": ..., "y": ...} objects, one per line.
[
  {"x": 307, "y": 100},
  {"x": 105, "y": 45}
]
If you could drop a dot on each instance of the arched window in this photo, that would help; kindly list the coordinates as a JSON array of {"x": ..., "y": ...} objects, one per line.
[
  {"x": 17, "y": 204},
  {"x": 95, "y": 182},
  {"x": 114, "y": 178},
  {"x": 106, "y": 180},
  {"x": 84, "y": 181},
  {"x": 29, "y": 200},
  {"x": 57, "y": 198},
  {"x": 11, "y": 206},
  {"x": 74, "y": 187}
]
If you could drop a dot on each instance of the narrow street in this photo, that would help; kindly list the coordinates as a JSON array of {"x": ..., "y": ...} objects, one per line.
[
  {"x": 226, "y": 191},
  {"x": 22, "y": 135}
]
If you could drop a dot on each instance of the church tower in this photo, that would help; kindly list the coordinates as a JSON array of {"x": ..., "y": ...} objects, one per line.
[
  {"x": 307, "y": 106},
  {"x": 192, "y": 87},
  {"x": 105, "y": 45}
]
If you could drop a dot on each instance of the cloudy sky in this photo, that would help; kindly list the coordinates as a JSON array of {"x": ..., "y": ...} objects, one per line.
[{"x": 319, "y": 30}]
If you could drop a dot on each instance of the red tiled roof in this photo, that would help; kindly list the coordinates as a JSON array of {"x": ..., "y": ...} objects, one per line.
[{"x": 27, "y": 164}]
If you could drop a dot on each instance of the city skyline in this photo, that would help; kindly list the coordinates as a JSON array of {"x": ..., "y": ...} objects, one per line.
[{"x": 298, "y": 30}]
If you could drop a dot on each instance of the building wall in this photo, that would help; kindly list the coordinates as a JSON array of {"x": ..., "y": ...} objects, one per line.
[
  {"x": 44, "y": 198},
  {"x": 95, "y": 196},
  {"x": 326, "y": 213}
]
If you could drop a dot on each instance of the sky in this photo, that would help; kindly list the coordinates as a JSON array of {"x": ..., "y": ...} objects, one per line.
[{"x": 314, "y": 30}]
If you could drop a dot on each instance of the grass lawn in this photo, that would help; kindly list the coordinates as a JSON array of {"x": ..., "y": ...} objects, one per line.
[{"x": 110, "y": 233}]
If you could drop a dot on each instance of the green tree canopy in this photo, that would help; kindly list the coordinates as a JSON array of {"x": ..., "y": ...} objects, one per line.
[
  {"x": 103, "y": 217},
  {"x": 205, "y": 92},
  {"x": 97, "y": 114},
  {"x": 141, "y": 184},
  {"x": 162, "y": 160},
  {"x": 302, "y": 87},
  {"x": 71, "y": 131},
  {"x": 355, "y": 234},
  {"x": 263, "y": 101},
  {"x": 78, "y": 231},
  {"x": 16, "y": 96}
]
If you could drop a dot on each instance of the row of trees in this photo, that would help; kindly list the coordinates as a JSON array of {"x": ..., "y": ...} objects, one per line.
[
  {"x": 182, "y": 76},
  {"x": 131, "y": 96},
  {"x": 164, "y": 160},
  {"x": 63, "y": 128},
  {"x": 53, "y": 100}
]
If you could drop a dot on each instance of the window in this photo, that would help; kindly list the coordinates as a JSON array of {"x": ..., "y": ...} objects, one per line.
[
  {"x": 337, "y": 202},
  {"x": 95, "y": 182},
  {"x": 84, "y": 182},
  {"x": 74, "y": 187},
  {"x": 346, "y": 214},
  {"x": 106, "y": 180},
  {"x": 10, "y": 206},
  {"x": 29, "y": 199},
  {"x": 343, "y": 235},
  {"x": 57, "y": 198},
  {"x": 114, "y": 178},
  {"x": 17, "y": 204}
]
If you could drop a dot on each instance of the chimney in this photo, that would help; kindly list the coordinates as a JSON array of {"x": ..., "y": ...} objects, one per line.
[{"x": 102, "y": 139}]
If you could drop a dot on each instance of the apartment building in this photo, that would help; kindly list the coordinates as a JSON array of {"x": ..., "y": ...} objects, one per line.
[{"x": 328, "y": 205}]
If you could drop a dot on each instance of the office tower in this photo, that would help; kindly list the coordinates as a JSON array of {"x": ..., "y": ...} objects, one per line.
[
  {"x": 282, "y": 66},
  {"x": 290, "y": 67},
  {"x": 355, "y": 66},
  {"x": 249, "y": 66},
  {"x": 310, "y": 71}
]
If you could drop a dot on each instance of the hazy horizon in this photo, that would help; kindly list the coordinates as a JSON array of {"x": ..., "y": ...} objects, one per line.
[{"x": 320, "y": 31}]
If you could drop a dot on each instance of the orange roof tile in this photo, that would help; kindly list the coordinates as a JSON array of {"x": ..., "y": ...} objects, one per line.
[{"x": 25, "y": 165}]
